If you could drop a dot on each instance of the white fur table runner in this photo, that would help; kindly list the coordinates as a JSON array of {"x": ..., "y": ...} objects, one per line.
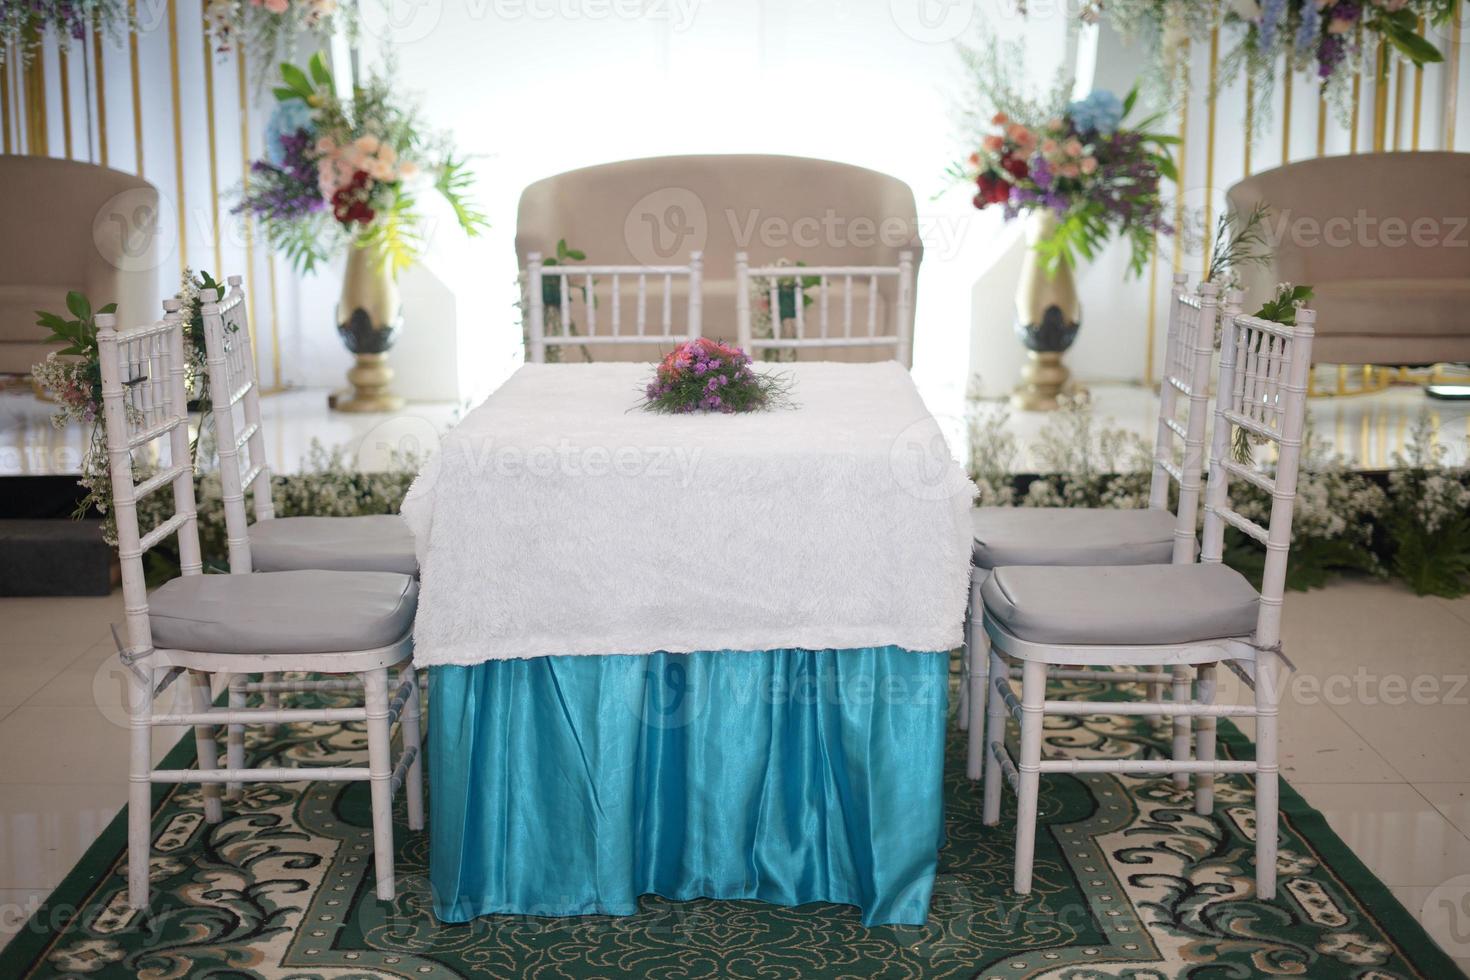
[{"x": 561, "y": 518}]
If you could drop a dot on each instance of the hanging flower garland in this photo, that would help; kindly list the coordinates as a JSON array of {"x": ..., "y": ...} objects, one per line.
[
  {"x": 267, "y": 30},
  {"x": 23, "y": 25},
  {"x": 1325, "y": 40}
]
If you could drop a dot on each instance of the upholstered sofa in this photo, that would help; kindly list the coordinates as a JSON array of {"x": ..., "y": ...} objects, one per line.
[
  {"x": 658, "y": 210},
  {"x": 66, "y": 226},
  {"x": 1384, "y": 239}
]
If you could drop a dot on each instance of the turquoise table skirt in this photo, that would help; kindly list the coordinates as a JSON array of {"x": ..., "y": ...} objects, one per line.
[{"x": 572, "y": 785}]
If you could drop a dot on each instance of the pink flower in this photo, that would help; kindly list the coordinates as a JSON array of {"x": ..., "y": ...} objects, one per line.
[
  {"x": 1020, "y": 135},
  {"x": 1089, "y": 165},
  {"x": 992, "y": 143},
  {"x": 999, "y": 119},
  {"x": 1068, "y": 170},
  {"x": 1073, "y": 147},
  {"x": 277, "y": 6},
  {"x": 1049, "y": 146},
  {"x": 1339, "y": 26}
]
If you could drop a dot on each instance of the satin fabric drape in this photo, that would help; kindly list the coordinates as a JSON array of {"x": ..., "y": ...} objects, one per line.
[{"x": 572, "y": 785}]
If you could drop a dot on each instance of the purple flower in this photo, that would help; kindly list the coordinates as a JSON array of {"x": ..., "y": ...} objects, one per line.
[{"x": 1271, "y": 13}]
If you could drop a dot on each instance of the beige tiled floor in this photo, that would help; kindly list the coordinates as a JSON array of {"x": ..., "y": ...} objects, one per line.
[{"x": 1390, "y": 772}]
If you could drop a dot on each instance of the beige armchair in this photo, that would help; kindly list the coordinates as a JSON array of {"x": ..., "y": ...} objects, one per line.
[
  {"x": 1384, "y": 238},
  {"x": 660, "y": 209},
  {"x": 68, "y": 226}
]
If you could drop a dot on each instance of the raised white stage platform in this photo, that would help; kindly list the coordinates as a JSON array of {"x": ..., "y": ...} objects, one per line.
[{"x": 1367, "y": 430}]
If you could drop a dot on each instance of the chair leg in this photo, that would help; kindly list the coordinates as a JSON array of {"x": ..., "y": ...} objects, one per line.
[
  {"x": 1181, "y": 685},
  {"x": 235, "y": 735},
  {"x": 996, "y": 714},
  {"x": 140, "y": 787},
  {"x": 1028, "y": 786},
  {"x": 1155, "y": 694},
  {"x": 412, "y": 738},
  {"x": 380, "y": 776},
  {"x": 962, "y": 709},
  {"x": 1267, "y": 772},
  {"x": 205, "y": 745},
  {"x": 1204, "y": 741},
  {"x": 979, "y": 685}
]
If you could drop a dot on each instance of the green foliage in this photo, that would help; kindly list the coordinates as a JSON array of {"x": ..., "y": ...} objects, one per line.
[
  {"x": 78, "y": 336},
  {"x": 1283, "y": 306},
  {"x": 1239, "y": 242}
]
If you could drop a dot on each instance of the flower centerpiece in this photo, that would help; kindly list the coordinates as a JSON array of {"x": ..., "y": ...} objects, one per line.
[
  {"x": 344, "y": 175},
  {"x": 704, "y": 375},
  {"x": 1080, "y": 176},
  {"x": 23, "y": 25}
]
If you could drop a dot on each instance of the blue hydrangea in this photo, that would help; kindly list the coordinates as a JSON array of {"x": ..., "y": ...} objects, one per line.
[
  {"x": 1311, "y": 27},
  {"x": 1100, "y": 112},
  {"x": 1272, "y": 12},
  {"x": 287, "y": 119}
]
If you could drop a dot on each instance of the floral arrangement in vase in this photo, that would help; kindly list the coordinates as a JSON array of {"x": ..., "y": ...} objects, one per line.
[
  {"x": 1080, "y": 176},
  {"x": 704, "y": 375},
  {"x": 24, "y": 25},
  {"x": 345, "y": 175},
  {"x": 1082, "y": 167}
]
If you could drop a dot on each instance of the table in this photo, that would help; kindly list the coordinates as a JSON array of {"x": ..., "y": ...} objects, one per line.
[{"x": 691, "y": 656}]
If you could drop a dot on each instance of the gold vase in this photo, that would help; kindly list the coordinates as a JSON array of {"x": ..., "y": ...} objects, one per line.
[
  {"x": 369, "y": 316},
  {"x": 1048, "y": 314}
]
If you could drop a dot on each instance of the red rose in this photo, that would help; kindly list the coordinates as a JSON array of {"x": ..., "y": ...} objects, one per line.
[{"x": 1016, "y": 167}]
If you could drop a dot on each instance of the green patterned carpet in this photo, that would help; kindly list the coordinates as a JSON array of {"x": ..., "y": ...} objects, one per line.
[{"x": 1130, "y": 883}]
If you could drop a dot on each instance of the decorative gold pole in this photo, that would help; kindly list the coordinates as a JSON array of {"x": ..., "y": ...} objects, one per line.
[
  {"x": 1398, "y": 104},
  {"x": 38, "y": 143},
  {"x": 1287, "y": 85},
  {"x": 64, "y": 69},
  {"x": 5, "y": 99},
  {"x": 135, "y": 79},
  {"x": 209, "y": 125},
  {"x": 177, "y": 87},
  {"x": 1452, "y": 78},
  {"x": 1321, "y": 122},
  {"x": 1357, "y": 97},
  {"x": 1418, "y": 96},
  {"x": 1209, "y": 225},
  {"x": 100, "y": 71},
  {"x": 1380, "y": 101},
  {"x": 1250, "y": 120}
]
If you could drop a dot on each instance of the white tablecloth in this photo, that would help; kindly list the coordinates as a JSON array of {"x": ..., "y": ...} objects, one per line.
[{"x": 561, "y": 518}]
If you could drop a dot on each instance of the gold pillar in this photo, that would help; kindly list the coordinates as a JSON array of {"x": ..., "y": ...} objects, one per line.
[
  {"x": 1250, "y": 120},
  {"x": 33, "y": 77},
  {"x": 209, "y": 125},
  {"x": 5, "y": 100},
  {"x": 1380, "y": 100},
  {"x": 1452, "y": 57},
  {"x": 64, "y": 67},
  {"x": 100, "y": 71},
  {"x": 1287, "y": 80},
  {"x": 137, "y": 89},
  {"x": 176, "y": 86}
]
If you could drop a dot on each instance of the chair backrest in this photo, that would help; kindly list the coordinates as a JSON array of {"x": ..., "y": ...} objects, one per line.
[
  {"x": 145, "y": 413},
  {"x": 661, "y": 209},
  {"x": 783, "y": 292},
  {"x": 1262, "y": 390},
  {"x": 1178, "y": 455},
  {"x": 559, "y": 296},
  {"x": 235, "y": 411}
]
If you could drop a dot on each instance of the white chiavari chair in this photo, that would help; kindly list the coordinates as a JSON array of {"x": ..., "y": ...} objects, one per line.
[
  {"x": 366, "y": 543},
  {"x": 1191, "y": 616},
  {"x": 1109, "y": 535},
  {"x": 582, "y": 291},
  {"x": 196, "y": 625},
  {"x": 847, "y": 320}
]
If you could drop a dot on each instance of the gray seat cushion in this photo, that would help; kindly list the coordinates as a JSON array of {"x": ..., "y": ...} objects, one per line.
[
  {"x": 373, "y": 543},
  {"x": 1124, "y": 605},
  {"x": 283, "y": 612},
  {"x": 1071, "y": 536}
]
